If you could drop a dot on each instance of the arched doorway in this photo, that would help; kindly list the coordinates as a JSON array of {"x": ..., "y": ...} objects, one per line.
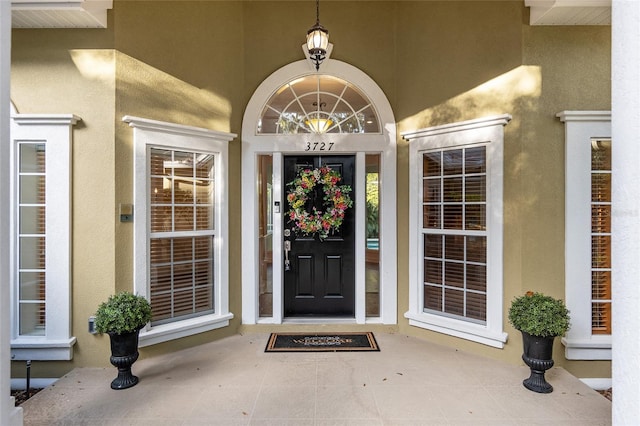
[{"x": 299, "y": 119}]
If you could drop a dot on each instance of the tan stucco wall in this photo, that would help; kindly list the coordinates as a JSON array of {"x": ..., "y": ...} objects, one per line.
[{"x": 197, "y": 63}]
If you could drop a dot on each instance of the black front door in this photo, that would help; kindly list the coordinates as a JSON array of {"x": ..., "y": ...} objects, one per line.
[{"x": 319, "y": 279}]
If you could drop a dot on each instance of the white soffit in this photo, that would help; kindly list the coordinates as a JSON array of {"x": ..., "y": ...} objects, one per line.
[
  {"x": 59, "y": 13},
  {"x": 569, "y": 12}
]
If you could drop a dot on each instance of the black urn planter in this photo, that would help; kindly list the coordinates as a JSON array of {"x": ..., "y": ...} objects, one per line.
[
  {"x": 124, "y": 352},
  {"x": 538, "y": 357}
]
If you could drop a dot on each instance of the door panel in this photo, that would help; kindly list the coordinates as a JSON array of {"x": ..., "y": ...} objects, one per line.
[{"x": 321, "y": 277}]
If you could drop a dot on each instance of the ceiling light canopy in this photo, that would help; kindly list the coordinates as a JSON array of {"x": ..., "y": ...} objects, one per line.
[{"x": 317, "y": 40}]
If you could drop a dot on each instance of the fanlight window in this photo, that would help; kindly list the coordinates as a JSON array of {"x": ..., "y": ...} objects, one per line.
[{"x": 318, "y": 104}]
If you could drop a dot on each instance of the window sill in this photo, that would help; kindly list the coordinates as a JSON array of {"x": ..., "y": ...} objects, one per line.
[
  {"x": 42, "y": 349},
  {"x": 473, "y": 332},
  {"x": 589, "y": 348},
  {"x": 179, "y": 329}
]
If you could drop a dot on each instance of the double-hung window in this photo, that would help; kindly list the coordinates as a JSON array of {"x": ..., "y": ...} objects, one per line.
[
  {"x": 456, "y": 229},
  {"x": 588, "y": 277},
  {"x": 180, "y": 227},
  {"x": 41, "y": 236}
]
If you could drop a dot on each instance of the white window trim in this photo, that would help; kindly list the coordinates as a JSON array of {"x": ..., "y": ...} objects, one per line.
[
  {"x": 55, "y": 131},
  {"x": 581, "y": 127},
  {"x": 148, "y": 133},
  {"x": 489, "y": 131}
]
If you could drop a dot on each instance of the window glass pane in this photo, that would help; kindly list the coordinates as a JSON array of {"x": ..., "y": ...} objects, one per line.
[
  {"x": 454, "y": 274},
  {"x": 265, "y": 237},
  {"x": 474, "y": 189},
  {"x": 160, "y": 162},
  {"x": 372, "y": 247},
  {"x": 476, "y": 277},
  {"x": 32, "y": 252},
  {"x": 32, "y": 286},
  {"x": 454, "y": 245},
  {"x": 433, "y": 298},
  {"x": 476, "y": 306},
  {"x": 475, "y": 161},
  {"x": 476, "y": 249},
  {"x": 452, "y": 162},
  {"x": 452, "y": 188},
  {"x": 453, "y": 302},
  {"x": 431, "y": 191},
  {"x": 433, "y": 245},
  {"x": 475, "y": 217},
  {"x": 433, "y": 271},
  {"x": 32, "y": 319},
  {"x": 452, "y": 216},
  {"x": 601, "y": 251},
  {"x": 32, "y": 220},
  {"x": 32, "y": 158},
  {"x": 32, "y": 189},
  {"x": 431, "y": 163},
  {"x": 431, "y": 217}
]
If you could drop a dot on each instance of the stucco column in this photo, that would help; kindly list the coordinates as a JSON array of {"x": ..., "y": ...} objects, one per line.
[
  {"x": 9, "y": 414},
  {"x": 625, "y": 129}
]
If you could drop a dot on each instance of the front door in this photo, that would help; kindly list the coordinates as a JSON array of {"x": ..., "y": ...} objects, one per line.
[{"x": 319, "y": 276}]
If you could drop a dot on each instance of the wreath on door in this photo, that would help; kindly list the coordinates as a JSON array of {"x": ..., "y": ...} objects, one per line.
[{"x": 336, "y": 202}]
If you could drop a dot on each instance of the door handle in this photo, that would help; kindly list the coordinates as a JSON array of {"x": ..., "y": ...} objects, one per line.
[{"x": 287, "y": 249}]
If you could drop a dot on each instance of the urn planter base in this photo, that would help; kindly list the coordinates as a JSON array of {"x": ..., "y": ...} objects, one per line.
[
  {"x": 537, "y": 355},
  {"x": 124, "y": 352}
]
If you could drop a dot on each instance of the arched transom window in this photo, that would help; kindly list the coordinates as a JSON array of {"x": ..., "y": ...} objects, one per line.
[{"x": 318, "y": 104}]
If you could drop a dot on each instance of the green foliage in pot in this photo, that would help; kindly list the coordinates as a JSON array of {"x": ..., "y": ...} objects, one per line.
[
  {"x": 122, "y": 313},
  {"x": 539, "y": 315}
]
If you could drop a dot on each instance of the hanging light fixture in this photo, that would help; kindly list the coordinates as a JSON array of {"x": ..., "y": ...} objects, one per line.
[
  {"x": 319, "y": 124},
  {"x": 317, "y": 40}
]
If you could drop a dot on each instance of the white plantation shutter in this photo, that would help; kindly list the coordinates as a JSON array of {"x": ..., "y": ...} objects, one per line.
[{"x": 182, "y": 234}]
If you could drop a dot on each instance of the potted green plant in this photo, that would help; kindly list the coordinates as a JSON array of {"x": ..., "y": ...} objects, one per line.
[
  {"x": 540, "y": 319},
  {"x": 121, "y": 317}
]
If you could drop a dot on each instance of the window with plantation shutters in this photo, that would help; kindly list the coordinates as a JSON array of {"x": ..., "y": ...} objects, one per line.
[
  {"x": 588, "y": 207},
  {"x": 180, "y": 227},
  {"x": 601, "y": 236},
  {"x": 182, "y": 234},
  {"x": 455, "y": 225},
  {"x": 40, "y": 254},
  {"x": 454, "y": 232}
]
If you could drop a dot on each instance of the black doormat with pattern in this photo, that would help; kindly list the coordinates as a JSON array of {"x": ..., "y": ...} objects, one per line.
[{"x": 321, "y": 342}]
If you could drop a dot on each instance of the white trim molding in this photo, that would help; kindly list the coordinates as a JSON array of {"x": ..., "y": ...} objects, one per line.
[
  {"x": 489, "y": 132},
  {"x": 581, "y": 128},
  {"x": 151, "y": 133}
]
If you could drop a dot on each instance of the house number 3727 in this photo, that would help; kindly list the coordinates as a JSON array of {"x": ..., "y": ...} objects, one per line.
[{"x": 319, "y": 146}]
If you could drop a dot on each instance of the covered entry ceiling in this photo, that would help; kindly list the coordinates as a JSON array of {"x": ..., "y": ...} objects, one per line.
[{"x": 93, "y": 13}]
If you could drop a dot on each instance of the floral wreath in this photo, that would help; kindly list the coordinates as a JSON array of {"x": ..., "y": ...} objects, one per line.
[{"x": 336, "y": 201}]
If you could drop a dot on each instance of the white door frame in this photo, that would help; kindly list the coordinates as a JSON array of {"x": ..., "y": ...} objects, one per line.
[{"x": 254, "y": 144}]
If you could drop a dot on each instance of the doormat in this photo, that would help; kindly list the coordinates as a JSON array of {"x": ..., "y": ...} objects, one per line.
[{"x": 321, "y": 342}]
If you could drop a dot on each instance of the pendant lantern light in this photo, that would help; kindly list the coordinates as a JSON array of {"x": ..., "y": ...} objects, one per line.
[{"x": 317, "y": 40}]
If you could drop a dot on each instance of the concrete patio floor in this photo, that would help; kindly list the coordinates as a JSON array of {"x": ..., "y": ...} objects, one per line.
[{"x": 234, "y": 382}]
